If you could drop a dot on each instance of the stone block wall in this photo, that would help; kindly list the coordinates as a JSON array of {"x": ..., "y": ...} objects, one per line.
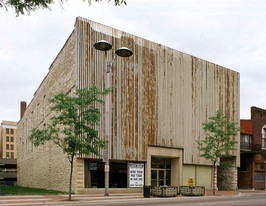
[
  {"x": 47, "y": 166},
  {"x": 227, "y": 176}
]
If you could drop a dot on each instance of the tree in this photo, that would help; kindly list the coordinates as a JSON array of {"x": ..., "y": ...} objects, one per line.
[
  {"x": 72, "y": 126},
  {"x": 22, "y": 6},
  {"x": 219, "y": 141}
]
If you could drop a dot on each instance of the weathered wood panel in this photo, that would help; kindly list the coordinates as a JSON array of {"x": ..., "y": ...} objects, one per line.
[{"x": 160, "y": 96}]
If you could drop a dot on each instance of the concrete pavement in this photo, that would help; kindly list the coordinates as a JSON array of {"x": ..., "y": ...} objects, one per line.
[{"x": 63, "y": 199}]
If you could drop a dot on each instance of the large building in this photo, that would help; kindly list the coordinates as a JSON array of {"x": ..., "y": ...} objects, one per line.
[
  {"x": 159, "y": 100},
  {"x": 8, "y": 137},
  {"x": 251, "y": 174},
  {"x": 8, "y": 151}
]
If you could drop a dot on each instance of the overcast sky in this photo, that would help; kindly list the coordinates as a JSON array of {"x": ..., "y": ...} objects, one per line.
[{"x": 230, "y": 33}]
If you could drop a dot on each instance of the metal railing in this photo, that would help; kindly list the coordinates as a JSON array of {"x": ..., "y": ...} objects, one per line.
[{"x": 245, "y": 146}]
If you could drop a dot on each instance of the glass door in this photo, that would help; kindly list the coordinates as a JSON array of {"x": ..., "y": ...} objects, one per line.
[
  {"x": 160, "y": 177},
  {"x": 153, "y": 178},
  {"x": 160, "y": 171}
]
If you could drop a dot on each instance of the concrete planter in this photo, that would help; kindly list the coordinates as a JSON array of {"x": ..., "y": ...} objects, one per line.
[
  {"x": 192, "y": 190},
  {"x": 164, "y": 191}
]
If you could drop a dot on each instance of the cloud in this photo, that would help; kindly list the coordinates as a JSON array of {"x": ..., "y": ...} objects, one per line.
[{"x": 228, "y": 33}]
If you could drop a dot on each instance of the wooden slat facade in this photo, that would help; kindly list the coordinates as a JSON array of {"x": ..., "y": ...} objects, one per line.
[{"x": 160, "y": 96}]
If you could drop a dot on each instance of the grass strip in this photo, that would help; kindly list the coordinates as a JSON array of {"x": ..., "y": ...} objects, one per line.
[{"x": 17, "y": 190}]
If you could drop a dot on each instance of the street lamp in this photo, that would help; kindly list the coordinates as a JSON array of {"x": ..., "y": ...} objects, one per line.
[{"x": 105, "y": 46}]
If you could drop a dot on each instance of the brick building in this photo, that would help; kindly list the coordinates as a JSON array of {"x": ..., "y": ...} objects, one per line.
[
  {"x": 251, "y": 174},
  {"x": 160, "y": 99}
]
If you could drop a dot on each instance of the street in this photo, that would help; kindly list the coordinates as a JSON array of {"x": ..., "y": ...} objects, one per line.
[
  {"x": 257, "y": 199},
  {"x": 250, "y": 199}
]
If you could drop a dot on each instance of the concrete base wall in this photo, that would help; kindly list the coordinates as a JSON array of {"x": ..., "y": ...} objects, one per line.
[{"x": 202, "y": 175}]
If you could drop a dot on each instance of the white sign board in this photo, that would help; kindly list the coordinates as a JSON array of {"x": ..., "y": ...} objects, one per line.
[
  {"x": 106, "y": 168},
  {"x": 136, "y": 174},
  {"x": 93, "y": 166}
]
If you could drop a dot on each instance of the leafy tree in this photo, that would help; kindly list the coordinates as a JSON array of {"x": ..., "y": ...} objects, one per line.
[
  {"x": 72, "y": 127},
  {"x": 22, "y": 6},
  {"x": 219, "y": 141}
]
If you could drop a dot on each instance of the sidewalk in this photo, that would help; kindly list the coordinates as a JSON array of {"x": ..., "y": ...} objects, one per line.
[{"x": 63, "y": 199}]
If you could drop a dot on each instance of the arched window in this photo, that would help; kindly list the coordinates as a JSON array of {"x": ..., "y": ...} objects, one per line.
[{"x": 263, "y": 133}]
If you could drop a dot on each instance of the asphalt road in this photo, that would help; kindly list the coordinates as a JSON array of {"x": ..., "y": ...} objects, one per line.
[{"x": 252, "y": 199}]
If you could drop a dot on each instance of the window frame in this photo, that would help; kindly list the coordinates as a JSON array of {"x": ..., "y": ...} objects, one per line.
[
  {"x": 245, "y": 141},
  {"x": 263, "y": 137}
]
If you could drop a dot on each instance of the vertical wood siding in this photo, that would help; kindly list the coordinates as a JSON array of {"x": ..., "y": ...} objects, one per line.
[{"x": 160, "y": 96}]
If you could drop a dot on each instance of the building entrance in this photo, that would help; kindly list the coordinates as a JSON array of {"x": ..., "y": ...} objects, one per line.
[
  {"x": 160, "y": 177},
  {"x": 160, "y": 171}
]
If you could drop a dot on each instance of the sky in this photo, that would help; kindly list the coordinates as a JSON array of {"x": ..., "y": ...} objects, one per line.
[{"x": 230, "y": 33}]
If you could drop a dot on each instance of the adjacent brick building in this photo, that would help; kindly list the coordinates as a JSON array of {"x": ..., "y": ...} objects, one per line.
[
  {"x": 251, "y": 174},
  {"x": 160, "y": 99}
]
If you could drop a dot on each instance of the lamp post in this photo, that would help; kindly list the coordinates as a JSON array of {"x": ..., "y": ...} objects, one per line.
[{"x": 122, "y": 52}]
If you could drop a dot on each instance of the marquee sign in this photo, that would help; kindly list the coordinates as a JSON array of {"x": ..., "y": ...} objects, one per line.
[{"x": 136, "y": 174}]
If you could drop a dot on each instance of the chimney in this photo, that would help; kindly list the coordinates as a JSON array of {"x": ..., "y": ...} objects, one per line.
[{"x": 23, "y": 106}]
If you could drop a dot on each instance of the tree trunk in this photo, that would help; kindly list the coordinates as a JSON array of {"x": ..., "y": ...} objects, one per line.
[
  {"x": 213, "y": 180},
  {"x": 70, "y": 178}
]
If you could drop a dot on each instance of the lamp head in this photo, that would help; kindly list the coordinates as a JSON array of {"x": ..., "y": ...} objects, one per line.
[
  {"x": 103, "y": 45},
  {"x": 124, "y": 52}
]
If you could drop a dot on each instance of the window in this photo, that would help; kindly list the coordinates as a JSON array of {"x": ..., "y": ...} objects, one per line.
[
  {"x": 95, "y": 175},
  {"x": 7, "y": 155},
  {"x": 259, "y": 166},
  {"x": 11, "y": 139},
  {"x": 12, "y": 155},
  {"x": 7, "y": 131},
  {"x": 7, "y": 138},
  {"x": 12, "y": 131},
  {"x": 245, "y": 142},
  {"x": 263, "y": 133},
  {"x": 12, "y": 147},
  {"x": 259, "y": 176},
  {"x": 7, "y": 146},
  {"x": 262, "y": 166}
]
